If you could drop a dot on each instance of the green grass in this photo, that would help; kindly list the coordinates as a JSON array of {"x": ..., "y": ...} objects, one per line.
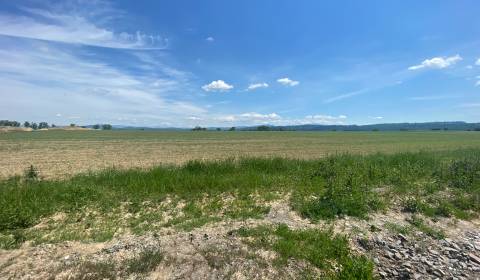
[
  {"x": 98, "y": 205},
  {"x": 321, "y": 248}
]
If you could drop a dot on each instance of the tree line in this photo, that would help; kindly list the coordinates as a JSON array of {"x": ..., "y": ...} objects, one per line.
[
  {"x": 27, "y": 124},
  {"x": 42, "y": 125}
]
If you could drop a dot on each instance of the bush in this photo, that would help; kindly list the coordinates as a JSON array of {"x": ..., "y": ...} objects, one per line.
[
  {"x": 412, "y": 205},
  {"x": 31, "y": 173},
  {"x": 106, "y": 126}
]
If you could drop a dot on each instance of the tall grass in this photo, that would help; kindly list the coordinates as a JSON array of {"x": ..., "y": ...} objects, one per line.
[{"x": 339, "y": 185}]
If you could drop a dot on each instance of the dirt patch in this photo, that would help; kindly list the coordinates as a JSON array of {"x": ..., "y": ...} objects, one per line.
[
  {"x": 14, "y": 129},
  {"x": 215, "y": 251}
]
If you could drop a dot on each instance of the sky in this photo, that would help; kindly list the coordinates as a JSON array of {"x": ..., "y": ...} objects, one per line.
[{"x": 234, "y": 63}]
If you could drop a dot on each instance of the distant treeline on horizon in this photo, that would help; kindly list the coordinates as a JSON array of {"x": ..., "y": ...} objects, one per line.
[{"x": 435, "y": 126}]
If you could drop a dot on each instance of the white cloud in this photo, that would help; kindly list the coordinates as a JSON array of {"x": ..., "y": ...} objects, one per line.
[
  {"x": 193, "y": 118},
  {"x": 477, "y": 62},
  {"x": 74, "y": 27},
  {"x": 322, "y": 119},
  {"x": 210, "y": 39},
  {"x": 477, "y": 83},
  {"x": 219, "y": 85},
  {"x": 250, "y": 118},
  {"x": 469, "y": 66},
  {"x": 437, "y": 62},
  {"x": 377, "y": 118},
  {"x": 255, "y": 118},
  {"x": 272, "y": 116},
  {"x": 257, "y": 86},
  {"x": 288, "y": 82},
  {"x": 46, "y": 80}
]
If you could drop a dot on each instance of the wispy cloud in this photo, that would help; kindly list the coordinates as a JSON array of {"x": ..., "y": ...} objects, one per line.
[
  {"x": 62, "y": 25},
  {"x": 437, "y": 62},
  {"x": 257, "y": 86},
  {"x": 45, "y": 80},
  {"x": 346, "y": 95},
  {"x": 218, "y": 85},
  {"x": 477, "y": 62},
  {"x": 288, "y": 82},
  {"x": 432, "y": 97},
  {"x": 210, "y": 39}
]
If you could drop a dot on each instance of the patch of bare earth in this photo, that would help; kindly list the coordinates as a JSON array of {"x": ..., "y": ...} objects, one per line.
[{"x": 215, "y": 251}]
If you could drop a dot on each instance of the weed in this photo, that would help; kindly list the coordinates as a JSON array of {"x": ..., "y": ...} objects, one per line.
[
  {"x": 95, "y": 270},
  {"x": 321, "y": 248},
  {"x": 145, "y": 262},
  {"x": 396, "y": 228},
  {"x": 31, "y": 173},
  {"x": 420, "y": 224}
]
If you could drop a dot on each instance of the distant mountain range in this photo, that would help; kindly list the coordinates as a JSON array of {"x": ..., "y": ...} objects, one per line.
[
  {"x": 374, "y": 127},
  {"x": 455, "y": 126}
]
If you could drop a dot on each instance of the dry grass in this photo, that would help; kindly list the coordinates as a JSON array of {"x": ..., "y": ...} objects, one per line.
[{"x": 64, "y": 153}]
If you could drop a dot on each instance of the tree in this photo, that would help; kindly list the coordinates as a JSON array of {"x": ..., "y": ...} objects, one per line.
[
  {"x": 198, "y": 128},
  {"x": 53, "y": 125},
  {"x": 26, "y": 124},
  {"x": 106, "y": 126},
  {"x": 232, "y": 128},
  {"x": 72, "y": 125},
  {"x": 263, "y": 128},
  {"x": 34, "y": 126},
  {"x": 96, "y": 126},
  {"x": 219, "y": 129},
  {"x": 43, "y": 125},
  {"x": 9, "y": 123}
]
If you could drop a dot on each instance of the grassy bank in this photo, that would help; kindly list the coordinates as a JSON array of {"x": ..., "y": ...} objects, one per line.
[{"x": 96, "y": 206}]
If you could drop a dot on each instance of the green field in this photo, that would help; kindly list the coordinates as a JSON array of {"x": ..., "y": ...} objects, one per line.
[{"x": 63, "y": 153}]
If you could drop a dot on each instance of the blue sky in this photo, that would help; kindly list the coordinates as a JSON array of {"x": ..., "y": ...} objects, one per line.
[{"x": 225, "y": 63}]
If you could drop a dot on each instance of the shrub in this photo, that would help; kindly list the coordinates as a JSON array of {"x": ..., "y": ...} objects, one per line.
[
  {"x": 412, "y": 205},
  {"x": 106, "y": 126},
  {"x": 31, "y": 173}
]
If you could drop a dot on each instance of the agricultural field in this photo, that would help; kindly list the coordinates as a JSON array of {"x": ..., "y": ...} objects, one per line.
[
  {"x": 240, "y": 205},
  {"x": 59, "y": 154}
]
